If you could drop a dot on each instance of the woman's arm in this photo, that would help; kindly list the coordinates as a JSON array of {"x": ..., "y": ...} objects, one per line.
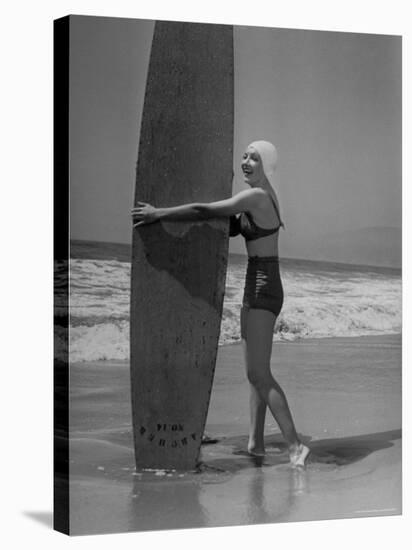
[
  {"x": 234, "y": 226},
  {"x": 243, "y": 201}
]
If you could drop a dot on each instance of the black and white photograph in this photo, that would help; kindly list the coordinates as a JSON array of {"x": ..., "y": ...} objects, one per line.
[
  {"x": 206, "y": 265},
  {"x": 228, "y": 317}
]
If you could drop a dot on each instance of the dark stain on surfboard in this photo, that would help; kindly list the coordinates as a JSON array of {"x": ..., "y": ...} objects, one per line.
[{"x": 166, "y": 252}]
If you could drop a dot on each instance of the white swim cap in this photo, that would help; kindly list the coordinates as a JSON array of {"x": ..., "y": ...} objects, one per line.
[{"x": 269, "y": 157}]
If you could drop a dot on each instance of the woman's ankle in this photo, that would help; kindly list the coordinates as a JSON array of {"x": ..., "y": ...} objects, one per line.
[
  {"x": 294, "y": 447},
  {"x": 255, "y": 447},
  {"x": 299, "y": 455}
]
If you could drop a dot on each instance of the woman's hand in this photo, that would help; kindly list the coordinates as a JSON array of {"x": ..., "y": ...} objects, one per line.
[{"x": 143, "y": 214}]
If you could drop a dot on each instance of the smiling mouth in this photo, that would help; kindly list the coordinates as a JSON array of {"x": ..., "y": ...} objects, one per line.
[{"x": 247, "y": 172}]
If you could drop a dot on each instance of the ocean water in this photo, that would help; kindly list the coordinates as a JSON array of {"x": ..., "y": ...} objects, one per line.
[{"x": 321, "y": 300}]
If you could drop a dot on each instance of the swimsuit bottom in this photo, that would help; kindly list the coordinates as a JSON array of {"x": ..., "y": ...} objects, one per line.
[{"x": 263, "y": 287}]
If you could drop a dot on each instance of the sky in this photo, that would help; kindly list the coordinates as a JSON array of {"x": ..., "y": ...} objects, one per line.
[{"x": 330, "y": 102}]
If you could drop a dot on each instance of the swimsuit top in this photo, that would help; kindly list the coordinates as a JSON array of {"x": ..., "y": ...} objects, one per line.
[{"x": 247, "y": 227}]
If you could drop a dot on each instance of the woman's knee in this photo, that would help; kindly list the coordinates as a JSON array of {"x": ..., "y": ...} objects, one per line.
[{"x": 258, "y": 378}]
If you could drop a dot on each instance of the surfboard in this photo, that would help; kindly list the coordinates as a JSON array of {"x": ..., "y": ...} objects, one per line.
[{"x": 179, "y": 268}]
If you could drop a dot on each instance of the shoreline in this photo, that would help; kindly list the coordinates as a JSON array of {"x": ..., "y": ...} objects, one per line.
[{"x": 324, "y": 340}]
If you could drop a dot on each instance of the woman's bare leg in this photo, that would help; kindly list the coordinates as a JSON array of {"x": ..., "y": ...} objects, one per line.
[
  {"x": 258, "y": 344},
  {"x": 257, "y": 405}
]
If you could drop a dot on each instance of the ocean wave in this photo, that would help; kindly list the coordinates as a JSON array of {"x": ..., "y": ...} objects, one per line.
[{"x": 317, "y": 305}]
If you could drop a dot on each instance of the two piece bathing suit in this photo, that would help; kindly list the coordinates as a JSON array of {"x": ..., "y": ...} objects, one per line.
[{"x": 263, "y": 286}]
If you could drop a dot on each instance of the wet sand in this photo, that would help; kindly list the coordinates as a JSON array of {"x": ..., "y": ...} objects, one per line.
[{"x": 345, "y": 395}]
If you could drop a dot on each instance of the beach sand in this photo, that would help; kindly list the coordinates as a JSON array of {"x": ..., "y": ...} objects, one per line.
[{"x": 345, "y": 396}]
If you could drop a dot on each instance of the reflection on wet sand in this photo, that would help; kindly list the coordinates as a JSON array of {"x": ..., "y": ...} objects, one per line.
[
  {"x": 230, "y": 487},
  {"x": 171, "y": 503},
  {"x": 262, "y": 489},
  {"x": 352, "y": 430}
]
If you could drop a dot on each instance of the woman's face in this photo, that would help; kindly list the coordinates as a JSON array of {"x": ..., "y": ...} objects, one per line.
[{"x": 252, "y": 168}]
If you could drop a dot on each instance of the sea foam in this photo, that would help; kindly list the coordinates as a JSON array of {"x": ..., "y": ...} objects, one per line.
[{"x": 320, "y": 301}]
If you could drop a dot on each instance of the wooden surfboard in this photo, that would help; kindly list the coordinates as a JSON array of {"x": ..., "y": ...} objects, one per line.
[{"x": 179, "y": 268}]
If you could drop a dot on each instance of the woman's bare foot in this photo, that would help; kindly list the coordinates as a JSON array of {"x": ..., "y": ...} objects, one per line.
[
  {"x": 298, "y": 455},
  {"x": 255, "y": 450}
]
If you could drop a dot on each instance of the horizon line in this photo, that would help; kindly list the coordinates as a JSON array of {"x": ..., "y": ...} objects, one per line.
[{"x": 398, "y": 267}]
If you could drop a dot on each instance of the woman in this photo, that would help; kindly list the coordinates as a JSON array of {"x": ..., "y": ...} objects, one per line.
[{"x": 259, "y": 223}]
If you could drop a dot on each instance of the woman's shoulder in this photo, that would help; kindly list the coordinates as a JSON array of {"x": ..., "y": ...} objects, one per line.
[
  {"x": 252, "y": 191},
  {"x": 249, "y": 198},
  {"x": 256, "y": 195}
]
